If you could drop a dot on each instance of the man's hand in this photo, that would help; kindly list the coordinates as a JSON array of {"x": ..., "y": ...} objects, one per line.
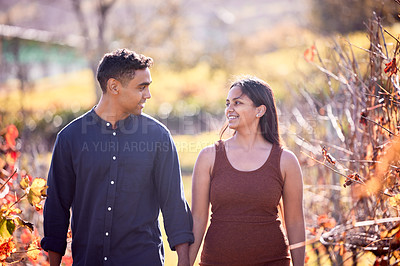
[
  {"x": 183, "y": 254},
  {"x": 55, "y": 258}
]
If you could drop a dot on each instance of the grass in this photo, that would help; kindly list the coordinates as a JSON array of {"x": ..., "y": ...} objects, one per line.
[
  {"x": 189, "y": 147},
  {"x": 67, "y": 91}
]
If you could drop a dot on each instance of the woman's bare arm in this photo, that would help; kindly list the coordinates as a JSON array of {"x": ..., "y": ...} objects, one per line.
[
  {"x": 201, "y": 198},
  {"x": 293, "y": 206}
]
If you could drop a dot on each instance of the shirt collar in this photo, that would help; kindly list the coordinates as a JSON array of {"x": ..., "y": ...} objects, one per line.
[{"x": 127, "y": 122}]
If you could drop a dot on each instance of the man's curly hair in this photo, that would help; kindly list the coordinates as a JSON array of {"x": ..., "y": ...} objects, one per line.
[{"x": 120, "y": 65}]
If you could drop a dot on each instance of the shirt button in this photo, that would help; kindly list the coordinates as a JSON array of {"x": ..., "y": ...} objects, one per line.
[
  {"x": 109, "y": 208},
  {"x": 114, "y": 133},
  {"x": 105, "y": 258},
  {"x": 106, "y": 233},
  {"x": 112, "y": 182},
  {"x": 108, "y": 124},
  {"x": 114, "y": 158}
]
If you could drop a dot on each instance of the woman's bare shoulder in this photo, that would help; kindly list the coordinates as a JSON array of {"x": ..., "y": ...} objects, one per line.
[
  {"x": 288, "y": 157},
  {"x": 207, "y": 154},
  {"x": 205, "y": 160},
  {"x": 290, "y": 167}
]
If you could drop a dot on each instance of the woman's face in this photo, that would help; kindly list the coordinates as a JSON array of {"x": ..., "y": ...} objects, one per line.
[{"x": 240, "y": 110}]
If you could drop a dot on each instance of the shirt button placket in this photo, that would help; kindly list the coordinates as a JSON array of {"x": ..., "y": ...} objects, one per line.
[{"x": 111, "y": 193}]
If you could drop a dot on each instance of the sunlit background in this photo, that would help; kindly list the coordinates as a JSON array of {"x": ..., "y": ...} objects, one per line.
[{"x": 49, "y": 51}]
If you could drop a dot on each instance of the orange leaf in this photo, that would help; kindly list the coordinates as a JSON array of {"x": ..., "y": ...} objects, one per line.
[
  {"x": 11, "y": 135},
  {"x": 24, "y": 184},
  {"x": 37, "y": 192},
  {"x": 309, "y": 53},
  {"x": 2, "y": 163},
  {"x": 396, "y": 238},
  {"x": 11, "y": 158},
  {"x": 342, "y": 249},
  {"x": 69, "y": 234},
  {"x": 391, "y": 67},
  {"x": 326, "y": 222},
  {"x": 67, "y": 260},
  {"x": 34, "y": 249},
  {"x": 8, "y": 209},
  {"x": 384, "y": 233},
  {"x": 7, "y": 246}
]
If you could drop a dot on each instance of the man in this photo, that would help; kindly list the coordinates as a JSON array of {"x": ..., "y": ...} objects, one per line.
[{"x": 116, "y": 168}]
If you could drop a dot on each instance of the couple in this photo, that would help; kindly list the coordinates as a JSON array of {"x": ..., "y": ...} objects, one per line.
[{"x": 115, "y": 193}]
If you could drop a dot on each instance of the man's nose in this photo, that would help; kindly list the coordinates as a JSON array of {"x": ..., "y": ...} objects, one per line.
[{"x": 147, "y": 94}]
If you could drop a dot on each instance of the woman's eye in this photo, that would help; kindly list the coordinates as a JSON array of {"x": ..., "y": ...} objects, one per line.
[
  {"x": 226, "y": 104},
  {"x": 237, "y": 102}
]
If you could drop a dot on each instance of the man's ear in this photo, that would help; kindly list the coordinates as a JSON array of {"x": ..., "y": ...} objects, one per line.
[{"x": 113, "y": 86}]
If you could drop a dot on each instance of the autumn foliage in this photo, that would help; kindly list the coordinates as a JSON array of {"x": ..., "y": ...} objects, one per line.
[
  {"x": 355, "y": 149},
  {"x": 18, "y": 238}
]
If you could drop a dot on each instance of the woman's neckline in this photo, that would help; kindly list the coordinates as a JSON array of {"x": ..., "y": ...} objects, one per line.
[{"x": 247, "y": 171}]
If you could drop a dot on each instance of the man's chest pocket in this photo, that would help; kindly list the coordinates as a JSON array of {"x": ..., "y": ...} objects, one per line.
[{"x": 135, "y": 174}]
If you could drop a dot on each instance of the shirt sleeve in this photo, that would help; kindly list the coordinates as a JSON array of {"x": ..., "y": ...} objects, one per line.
[
  {"x": 60, "y": 194},
  {"x": 178, "y": 220}
]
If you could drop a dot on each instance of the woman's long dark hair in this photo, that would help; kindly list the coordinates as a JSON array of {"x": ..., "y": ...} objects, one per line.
[{"x": 260, "y": 93}]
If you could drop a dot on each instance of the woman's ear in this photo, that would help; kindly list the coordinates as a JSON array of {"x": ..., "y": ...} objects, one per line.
[
  {"x": 261, "y": 110},
  {"x": 113, "y": 86}
]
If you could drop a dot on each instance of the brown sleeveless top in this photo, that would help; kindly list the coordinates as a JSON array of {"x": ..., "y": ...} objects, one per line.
[{"x": 245, "y": 228}]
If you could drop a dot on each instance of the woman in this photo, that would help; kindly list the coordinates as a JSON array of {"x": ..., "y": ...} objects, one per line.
[{"x": 244, "y": 178}]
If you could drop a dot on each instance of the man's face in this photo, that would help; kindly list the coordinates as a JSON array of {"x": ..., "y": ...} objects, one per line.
[{"x": 133, "y": 95}]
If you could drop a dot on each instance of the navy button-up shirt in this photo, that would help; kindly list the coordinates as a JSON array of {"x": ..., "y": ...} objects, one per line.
[{"x": 116, "y": 181}]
